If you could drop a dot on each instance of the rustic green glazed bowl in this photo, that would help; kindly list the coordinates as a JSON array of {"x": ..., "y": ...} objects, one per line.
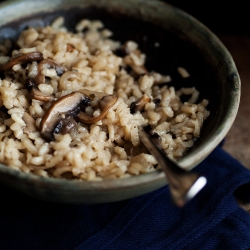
[{"x": 184, "y": 41}]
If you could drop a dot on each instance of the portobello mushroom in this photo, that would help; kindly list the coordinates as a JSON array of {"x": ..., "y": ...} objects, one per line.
[
  {"x": 58, "y": 118},
  {"x": 68, "y": 105}
]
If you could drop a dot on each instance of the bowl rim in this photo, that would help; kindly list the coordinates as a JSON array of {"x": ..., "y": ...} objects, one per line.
[{"x": 8, "y": 8}]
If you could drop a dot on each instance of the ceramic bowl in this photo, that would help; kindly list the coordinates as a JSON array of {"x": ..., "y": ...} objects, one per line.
[{"x": 184, "y": 40}]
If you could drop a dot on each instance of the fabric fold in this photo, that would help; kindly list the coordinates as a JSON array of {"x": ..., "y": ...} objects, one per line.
[
  {"x": 212, "y": 220},
  {"x": 161, "y": 225}
]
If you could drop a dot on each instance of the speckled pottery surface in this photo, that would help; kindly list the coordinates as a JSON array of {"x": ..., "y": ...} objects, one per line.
[{"x": 183, "y": 39}]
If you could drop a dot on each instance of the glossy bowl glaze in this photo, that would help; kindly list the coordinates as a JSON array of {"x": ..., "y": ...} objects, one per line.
[{"x": 183, "y": 41}]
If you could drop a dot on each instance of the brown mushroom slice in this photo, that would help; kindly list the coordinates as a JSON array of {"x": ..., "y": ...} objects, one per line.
[
  {"x": 105, "y": 104},
  {"x": 21, "y": 59},
  {"x": 60, "y": 109},
  {"x": 30, "y": 123},
  {"x": 138, "y": 69},
  {"x": 92, "y": 94},
  {"x": 38, "y": 95},
  {"x": 40, "y": 78},
  {"x": 70, "y": 47},
  {"x": 139, "y": 104},
  {"x": 66, "y": 125}
]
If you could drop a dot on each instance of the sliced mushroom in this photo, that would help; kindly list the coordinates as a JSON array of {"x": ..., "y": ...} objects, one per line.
[
  {"x": 128, "y": 48},
  {"x": 40, "y": 78},
  {"x": 30, "y": 123},
  {"x": 139, "y": 104},
  {"x": 138, "y": 69},
  {"x": 60, "y": 109},
  {"x": 66, "y": 125},
  {"x": 38, "y": 95},
  {"x": 92, "y": 94},
  {"x": 21, "y": 59},
  {"x": 70, "y": 47},
  {"x": 157, "y": 101},
  {"x": 105, "y": 104}
]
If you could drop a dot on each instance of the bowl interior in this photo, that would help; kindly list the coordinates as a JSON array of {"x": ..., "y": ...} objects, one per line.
[{"x": 170, "y": 38}]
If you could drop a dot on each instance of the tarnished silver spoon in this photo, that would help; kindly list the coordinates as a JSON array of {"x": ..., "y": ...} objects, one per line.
[{"x": 183, "y": 184}]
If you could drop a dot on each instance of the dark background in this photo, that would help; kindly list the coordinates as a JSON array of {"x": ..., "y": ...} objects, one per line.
[{"x": 228, "y": 17}]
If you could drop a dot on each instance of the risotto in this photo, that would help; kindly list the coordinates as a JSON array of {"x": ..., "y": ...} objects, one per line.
[{"x": 71, "y": 106}]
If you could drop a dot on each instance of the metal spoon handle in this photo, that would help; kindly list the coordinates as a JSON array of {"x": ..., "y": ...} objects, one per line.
[{"x": 183, "y": 185}]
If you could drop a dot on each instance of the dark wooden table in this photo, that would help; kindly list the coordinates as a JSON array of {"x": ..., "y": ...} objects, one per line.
[{"x": 237, "y": 141}]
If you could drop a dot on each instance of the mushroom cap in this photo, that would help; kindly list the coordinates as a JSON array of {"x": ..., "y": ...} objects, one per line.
[
  {"x": 38, "y": 95},
  {"x": 105, "y": 104},
  {"x": 61, "y": 108},
  {"x": 21, "y": 59},
  {"x": 139, "y": 104},
  {"x": 40, "y": 78}
]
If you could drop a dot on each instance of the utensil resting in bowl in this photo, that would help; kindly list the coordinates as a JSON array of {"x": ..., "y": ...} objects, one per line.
[{"x": 183, "y": 185}]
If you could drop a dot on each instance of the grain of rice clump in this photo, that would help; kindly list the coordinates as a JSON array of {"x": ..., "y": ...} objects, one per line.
[{"x": 108, "y": 145}]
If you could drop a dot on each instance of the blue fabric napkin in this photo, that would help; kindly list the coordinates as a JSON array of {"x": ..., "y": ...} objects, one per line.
[{"x": 212, "y": 220}]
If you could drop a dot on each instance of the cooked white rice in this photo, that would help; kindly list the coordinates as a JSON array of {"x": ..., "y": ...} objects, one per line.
[{"x": 99, "y": 150}]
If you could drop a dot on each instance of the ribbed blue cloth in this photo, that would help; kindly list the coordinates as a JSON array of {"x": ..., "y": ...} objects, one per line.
[{"x": 212, "y": 220}]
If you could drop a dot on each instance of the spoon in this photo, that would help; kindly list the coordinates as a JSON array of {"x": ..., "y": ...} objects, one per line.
[{"x": 183, "y": 184}]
